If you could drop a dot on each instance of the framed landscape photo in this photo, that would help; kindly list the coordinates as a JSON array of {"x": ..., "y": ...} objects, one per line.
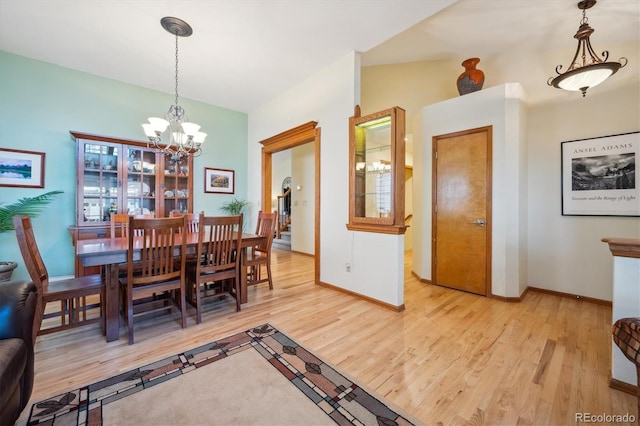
[
  {"x": 219, "y": 181},
  {"x": 599, "y": 176},
  {"x": 21, "y": 168}
]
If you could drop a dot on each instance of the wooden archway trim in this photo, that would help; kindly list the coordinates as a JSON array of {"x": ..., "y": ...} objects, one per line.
[
  {"x": 293, "y": 137},
  {"x": 300, "y": 135}
]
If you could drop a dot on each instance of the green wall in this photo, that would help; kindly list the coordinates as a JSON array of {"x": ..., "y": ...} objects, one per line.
[{"x": 40, "y": 103}]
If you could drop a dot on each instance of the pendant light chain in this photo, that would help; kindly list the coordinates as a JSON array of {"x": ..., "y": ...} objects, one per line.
[{"x": 176, "y": 70}]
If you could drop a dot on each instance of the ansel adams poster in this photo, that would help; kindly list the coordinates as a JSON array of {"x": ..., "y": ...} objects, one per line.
[{"x": 599, "y": 176}]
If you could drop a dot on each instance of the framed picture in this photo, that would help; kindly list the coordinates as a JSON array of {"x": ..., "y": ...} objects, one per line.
[
  {"x": 599, "y": 176},
  {"x": 219, "y": 181},
  {"x": 21, "y": 168}
]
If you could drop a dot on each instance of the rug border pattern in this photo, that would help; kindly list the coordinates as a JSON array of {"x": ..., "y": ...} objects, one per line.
[{"x": 341, "y": 399}]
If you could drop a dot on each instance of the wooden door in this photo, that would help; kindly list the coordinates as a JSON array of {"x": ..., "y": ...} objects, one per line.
[{"x": 461, "y": 224}]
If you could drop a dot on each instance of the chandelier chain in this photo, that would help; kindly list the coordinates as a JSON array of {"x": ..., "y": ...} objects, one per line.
[
  {"x": 176, "y": 69},
  {"x": 584, "y": 19}
]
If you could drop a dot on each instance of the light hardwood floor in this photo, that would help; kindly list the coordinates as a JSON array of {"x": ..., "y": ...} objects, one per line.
[{"x": 449, "y": 358}]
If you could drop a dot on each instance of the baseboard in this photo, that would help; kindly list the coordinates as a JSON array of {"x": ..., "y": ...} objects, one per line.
[
  {"x": 571, "y": 296},
  {"x": 624, "y": 387},
  {"x": 422, "y": 280},
  {"x": 539, "y": 290},
  {"x": 363, "y": 297},
  {"x": 509, "y": 299},
  {"x": 303, "y": 254}
]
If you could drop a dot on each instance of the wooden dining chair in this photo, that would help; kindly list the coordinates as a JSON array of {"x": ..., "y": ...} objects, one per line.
[
  {"x": 120, "y": 228},
  {"x": 154, "y": 245},
  {"x": 120, "y": 222},
  {"x": 217, "y": 263},
  {"x": 71, "y": 293},
  {"x": 192, "y": 220},
  {"x": 260, "y": 254}
]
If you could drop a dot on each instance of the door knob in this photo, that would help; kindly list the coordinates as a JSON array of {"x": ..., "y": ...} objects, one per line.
[{"x": 479, "y": 222}]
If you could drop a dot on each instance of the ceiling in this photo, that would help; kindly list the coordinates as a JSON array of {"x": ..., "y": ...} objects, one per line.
[{"x": 243, "y": 52}]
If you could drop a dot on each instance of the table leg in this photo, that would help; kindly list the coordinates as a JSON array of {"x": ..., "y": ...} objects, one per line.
[
  {"x": 243, "y": 276},
  {"x": 112, "y": 323}
]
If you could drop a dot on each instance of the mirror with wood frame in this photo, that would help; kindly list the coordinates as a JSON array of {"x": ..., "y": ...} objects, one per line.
[{"x": 376, "y": 171}]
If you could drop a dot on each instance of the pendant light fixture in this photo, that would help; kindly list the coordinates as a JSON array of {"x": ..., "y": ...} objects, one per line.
[
  {"x": 182, "y": 138},
  {"x": 586, "y": 69}
]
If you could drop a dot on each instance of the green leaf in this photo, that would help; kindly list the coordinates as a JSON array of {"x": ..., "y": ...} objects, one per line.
[
  {"x": 234, "y": 207},
  {"x": 31, "y": 206}
]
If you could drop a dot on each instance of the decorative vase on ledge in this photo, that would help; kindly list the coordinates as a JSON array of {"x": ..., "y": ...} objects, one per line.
[{"x": 472, "y": 79}]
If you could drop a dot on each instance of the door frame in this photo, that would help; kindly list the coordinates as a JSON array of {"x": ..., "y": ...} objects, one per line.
[
  {"x": 300, "y": 135},
  {"x": 489, "y": 196}
]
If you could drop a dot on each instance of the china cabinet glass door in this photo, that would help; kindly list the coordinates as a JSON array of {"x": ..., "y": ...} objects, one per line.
[
  {"x": 99, "y": 182},
  {"x": 176, "y": 187},
  {"x": 141, "y": 181}
]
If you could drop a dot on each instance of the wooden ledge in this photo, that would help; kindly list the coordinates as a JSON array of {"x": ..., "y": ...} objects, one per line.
[{"x": 624, "y": 247}]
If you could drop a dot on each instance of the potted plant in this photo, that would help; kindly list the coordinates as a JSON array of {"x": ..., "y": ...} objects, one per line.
[
  {"x": 234, "y": 208},
  {"x": 31, "y": 206}
]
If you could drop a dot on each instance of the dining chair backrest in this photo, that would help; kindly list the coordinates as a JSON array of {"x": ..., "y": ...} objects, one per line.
[
  {"x": 192, "y": 220},
  {"x": 260, "y": 254},
  {"x": 121, "y": 221},
  {"x": 157, "y": 240},
  {"x": 218, "y": 239},
  {"x": 266, "y": 227},
  {"x": 34, "y": 263}
]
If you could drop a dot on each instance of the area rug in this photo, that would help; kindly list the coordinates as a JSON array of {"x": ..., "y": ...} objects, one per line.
[{"x": 257, "y": 377}]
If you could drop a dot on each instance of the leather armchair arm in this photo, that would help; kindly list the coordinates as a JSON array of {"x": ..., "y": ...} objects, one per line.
[{"x": 17, "y": 310}]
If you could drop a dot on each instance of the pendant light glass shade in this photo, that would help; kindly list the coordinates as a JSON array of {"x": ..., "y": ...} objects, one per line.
[{"x": 586, "y": 69}]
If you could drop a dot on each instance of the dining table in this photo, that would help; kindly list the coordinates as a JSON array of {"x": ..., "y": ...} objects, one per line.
[{"x": 109, "y": 253}]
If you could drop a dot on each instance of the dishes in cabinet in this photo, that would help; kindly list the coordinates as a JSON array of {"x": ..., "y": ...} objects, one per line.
[
  {"x": 92, "y": 190},
  {"x": 143, "y": 166},
  {"x": 134, "y": 189}
]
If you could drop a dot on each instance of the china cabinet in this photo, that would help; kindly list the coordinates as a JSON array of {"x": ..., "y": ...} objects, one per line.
[
  {"x": 124, "y": 176},
  {"x": 376, "y": 171}
]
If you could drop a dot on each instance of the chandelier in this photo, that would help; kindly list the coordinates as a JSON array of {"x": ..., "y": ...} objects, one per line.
[
  {"x": 182, "y": 137},
  {"x": 586, "y": 69}
]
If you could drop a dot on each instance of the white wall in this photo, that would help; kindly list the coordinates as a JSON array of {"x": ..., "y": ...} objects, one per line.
[
  {"x": 303, "y": 198},
  {"x": 501, "y": 107},
  {"x": 281, "y": 168},
  {"x": 329, "y": 97},
  {"x": 565, "y": 252}
]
